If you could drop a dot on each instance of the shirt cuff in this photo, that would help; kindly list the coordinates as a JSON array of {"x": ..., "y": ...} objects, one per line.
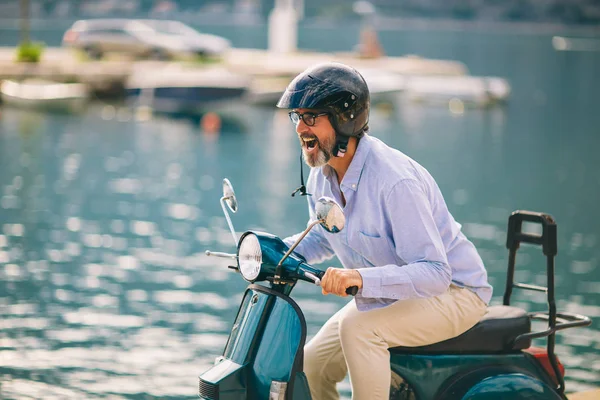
[
  {"x": 371, "y": 286},
  {"x": 374, "y": 287}
]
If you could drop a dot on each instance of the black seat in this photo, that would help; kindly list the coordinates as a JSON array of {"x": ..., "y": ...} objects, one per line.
[{"x": 495, "y": 333}]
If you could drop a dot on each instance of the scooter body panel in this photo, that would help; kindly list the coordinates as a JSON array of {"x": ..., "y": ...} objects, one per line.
[
  {"x": 451, "y": 376},
  {"x": 511, "y": 386},
  {"x": 266, "y": 342}
]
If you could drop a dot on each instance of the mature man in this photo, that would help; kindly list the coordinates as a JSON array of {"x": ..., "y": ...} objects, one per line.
[{"x": 420, "y": 279}]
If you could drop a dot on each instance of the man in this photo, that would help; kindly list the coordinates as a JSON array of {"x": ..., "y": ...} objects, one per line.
[{"x": 420, "y": 280}]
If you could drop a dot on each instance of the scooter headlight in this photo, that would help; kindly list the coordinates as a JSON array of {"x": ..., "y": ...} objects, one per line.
[{"x": 250, "y": 257}]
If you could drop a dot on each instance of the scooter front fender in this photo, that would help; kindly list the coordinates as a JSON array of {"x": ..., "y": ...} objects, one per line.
[{"x": 511, "y": 386}]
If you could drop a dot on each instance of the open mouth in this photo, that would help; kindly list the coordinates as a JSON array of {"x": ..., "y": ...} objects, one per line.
[{"x": 309, "y": 142}]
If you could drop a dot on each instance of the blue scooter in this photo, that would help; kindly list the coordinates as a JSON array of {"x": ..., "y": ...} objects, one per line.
[{"x": 494, "y": 360}]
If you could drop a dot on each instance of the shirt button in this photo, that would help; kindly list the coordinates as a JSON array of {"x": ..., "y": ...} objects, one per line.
[{"x": 354, "y": 186}]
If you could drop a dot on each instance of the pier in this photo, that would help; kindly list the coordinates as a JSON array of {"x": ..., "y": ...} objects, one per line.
[{"x": 108, "y": 77}]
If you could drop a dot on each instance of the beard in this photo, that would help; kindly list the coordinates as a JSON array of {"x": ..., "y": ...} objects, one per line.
[{"x": 322, "y": 155}]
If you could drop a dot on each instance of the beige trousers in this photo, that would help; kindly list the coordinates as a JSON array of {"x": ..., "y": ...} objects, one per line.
[{"x": 357, "y": 342}]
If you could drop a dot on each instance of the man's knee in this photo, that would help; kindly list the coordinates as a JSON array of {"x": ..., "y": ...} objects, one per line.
[
  {"x": 322, "y": 364},
  {"x": 351, "y": 329},
  {"x": 311, "y": 364}
]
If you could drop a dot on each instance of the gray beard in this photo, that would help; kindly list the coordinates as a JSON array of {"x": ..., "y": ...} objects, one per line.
[
  {"x": 320, "y": 159},
  {"x": 323, "y": 155}
]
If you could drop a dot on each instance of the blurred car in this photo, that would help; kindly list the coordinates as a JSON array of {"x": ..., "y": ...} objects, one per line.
[{"x": 154, "y": 39}]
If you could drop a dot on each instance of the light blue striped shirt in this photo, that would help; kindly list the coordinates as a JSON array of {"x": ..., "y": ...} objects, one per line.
[{"x": 399, "y": 233}]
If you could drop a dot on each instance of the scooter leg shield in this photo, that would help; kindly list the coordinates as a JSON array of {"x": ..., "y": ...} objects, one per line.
[{"x": 264, "y": 354}]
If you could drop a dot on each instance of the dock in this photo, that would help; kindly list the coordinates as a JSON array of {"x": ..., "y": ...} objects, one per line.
[{"x": 108, "y": 77}]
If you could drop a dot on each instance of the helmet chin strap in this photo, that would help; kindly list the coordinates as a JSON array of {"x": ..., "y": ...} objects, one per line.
[{"x": 341, "y": 145}]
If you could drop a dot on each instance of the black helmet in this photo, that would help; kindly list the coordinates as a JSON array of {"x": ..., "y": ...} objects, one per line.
[{"x": 337, "y": 88}]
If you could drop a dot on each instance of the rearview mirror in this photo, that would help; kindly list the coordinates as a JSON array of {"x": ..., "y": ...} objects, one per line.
[
  {"x": 229, "y": 195},
  {"x": 330, "y": 215}
]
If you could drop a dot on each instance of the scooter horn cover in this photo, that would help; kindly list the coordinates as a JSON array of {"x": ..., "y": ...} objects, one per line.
[{"x": 337, "y": 88}]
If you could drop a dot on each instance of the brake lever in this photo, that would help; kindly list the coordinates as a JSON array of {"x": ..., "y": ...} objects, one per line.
[
  {"x": 315, "y": 278},
  {"x": 219, "y": 254}
]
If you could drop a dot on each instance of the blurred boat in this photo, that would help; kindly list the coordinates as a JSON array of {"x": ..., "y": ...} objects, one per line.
[
  {"x": 44, "y": 95},
  {"x": 266, "y": 91},
  {"x": 562, "y": 43},
  {"x": 179, "y": 90},
  {"x": 471, "y": 90},
  {"x": 384, "y": 87}
]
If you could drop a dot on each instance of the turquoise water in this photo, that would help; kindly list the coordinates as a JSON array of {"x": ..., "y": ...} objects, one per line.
[{"x": 104, "y": 288}]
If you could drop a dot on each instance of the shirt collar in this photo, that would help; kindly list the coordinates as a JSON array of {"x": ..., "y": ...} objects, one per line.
[{"x": 354, "y": 172}]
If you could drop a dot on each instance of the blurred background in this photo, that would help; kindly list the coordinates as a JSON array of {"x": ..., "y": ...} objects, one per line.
[{"x": 119, "y": 120}]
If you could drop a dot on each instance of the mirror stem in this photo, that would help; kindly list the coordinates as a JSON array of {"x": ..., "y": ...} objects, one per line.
[
  {"x": 235, "y": 239},
  {"x": 287, "y": 254}
]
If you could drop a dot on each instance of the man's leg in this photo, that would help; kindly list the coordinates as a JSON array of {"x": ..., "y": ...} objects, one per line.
[
  {"x": 366, "y": 336},
  {"x": 324, "y": 363}
]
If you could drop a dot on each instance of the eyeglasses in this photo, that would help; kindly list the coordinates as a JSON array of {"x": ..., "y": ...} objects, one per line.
[{"x": 309, "y": 118}]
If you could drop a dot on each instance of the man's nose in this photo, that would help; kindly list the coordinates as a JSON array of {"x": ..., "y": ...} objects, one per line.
[{"x": 301, "y": 127}]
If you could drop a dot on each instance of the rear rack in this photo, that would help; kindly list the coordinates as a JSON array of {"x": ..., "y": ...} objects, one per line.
[{"x": 556, "y": 321}]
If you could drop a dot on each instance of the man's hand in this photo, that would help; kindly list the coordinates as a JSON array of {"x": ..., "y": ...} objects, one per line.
[{"x": 337, "y": 280}]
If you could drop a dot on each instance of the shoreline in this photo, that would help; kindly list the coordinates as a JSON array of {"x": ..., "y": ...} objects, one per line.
[{"x": 383, "y": 23}]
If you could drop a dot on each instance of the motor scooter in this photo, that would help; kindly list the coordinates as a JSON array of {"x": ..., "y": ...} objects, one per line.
[{"x": 263, "y": 357}]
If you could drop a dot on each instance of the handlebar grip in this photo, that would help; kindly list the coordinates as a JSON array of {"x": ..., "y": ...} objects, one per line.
[{"x": 352, "y": 290}]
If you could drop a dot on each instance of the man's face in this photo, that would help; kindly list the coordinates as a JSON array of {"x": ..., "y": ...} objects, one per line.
[{"x": 318, "y": 140}]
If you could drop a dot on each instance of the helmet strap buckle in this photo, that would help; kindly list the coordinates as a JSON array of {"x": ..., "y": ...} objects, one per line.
[{"x": 341, "y": 145}]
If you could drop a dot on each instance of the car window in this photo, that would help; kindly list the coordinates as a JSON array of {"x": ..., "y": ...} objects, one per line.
[
  {"x": 136, "y": 28},
  {"x": 113, "y": 31},
  {"x": 170, "y": 28},
  {"x": 99, "y": 25}
]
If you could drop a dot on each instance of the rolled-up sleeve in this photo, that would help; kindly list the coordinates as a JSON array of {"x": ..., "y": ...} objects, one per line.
[{"x": 418, "y": 244}]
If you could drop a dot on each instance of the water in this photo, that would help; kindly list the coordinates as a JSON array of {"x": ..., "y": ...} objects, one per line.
[{"x": 104, "y": 288}]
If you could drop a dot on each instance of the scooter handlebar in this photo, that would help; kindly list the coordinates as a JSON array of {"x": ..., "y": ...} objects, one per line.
[{"x": 352, "y": 290}]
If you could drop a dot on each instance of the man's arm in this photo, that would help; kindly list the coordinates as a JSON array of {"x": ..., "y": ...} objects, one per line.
[{"x": 418, "y": 243}]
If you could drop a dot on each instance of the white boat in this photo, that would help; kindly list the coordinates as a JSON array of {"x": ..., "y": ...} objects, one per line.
[
  {"x": 472, "y": 90},
  {"x": 176, "y": 89},
  {"x": 266, "y": 91},
  {"x": 44, "y": 95},
  {"x": 562, "y": 43},
  {"x": 384, "y": 87}
]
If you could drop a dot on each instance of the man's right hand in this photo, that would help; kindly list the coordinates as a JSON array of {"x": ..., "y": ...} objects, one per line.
[{"x": 337, "y": 280}]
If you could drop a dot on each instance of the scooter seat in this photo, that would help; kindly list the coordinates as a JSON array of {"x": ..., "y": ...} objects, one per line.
[{"x": 494, "y": 333}]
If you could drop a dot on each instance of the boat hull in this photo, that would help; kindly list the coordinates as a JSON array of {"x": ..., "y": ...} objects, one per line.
[
  {"x": 44, "y": 96},
  {"x": 182, "y": 100}
]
